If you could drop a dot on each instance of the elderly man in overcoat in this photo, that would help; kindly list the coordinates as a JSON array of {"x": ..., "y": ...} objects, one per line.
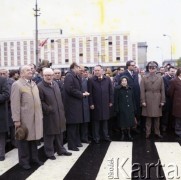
[
  {"x": 152, "y": 98},
  {"x": 27, "y": 111},
  {"x": 54, "y": 122},
  {"x": 100, "y": 101},
  {"x": 73, "y": 103},
  {"x": 4, "y": 97}
]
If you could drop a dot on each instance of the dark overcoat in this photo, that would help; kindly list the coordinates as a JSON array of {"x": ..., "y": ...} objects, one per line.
[
  {"x": 101, "y": 94},
  {"x": 86, "y": 109},
  {"x": 10, "y": 120},
  {"x": 174, "y": 92},
  {"x": 133, "y": 82},
  {"x": 168, "y": 103},
  {"x": 4, "y": 98},
  {"x": 153, "y": 94},
  {"x": 53, "y": 109},
  {"x": 124, "y": 105},
  {"x": 73, "y": 95}
]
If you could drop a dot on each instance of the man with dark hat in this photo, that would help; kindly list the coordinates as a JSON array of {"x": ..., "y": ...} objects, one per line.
[{"x": 152, "y": 98}]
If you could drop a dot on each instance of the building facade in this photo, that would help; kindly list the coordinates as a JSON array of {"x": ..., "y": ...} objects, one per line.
[{"x": 90, "y": 50}]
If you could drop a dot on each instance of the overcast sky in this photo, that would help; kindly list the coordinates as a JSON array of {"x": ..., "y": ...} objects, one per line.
[{"x": 146, "y": 20}]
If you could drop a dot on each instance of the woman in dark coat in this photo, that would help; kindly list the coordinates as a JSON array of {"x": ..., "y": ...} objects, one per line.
[
  {"x": 174, "y": 92},
  {"x": 4, "y": 97},
  {"x": 124, "y": 107}
]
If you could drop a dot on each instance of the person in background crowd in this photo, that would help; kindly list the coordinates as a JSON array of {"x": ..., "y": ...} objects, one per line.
[
  {"x": 27, "y": 111},
  {"x": 167, "y": 119},
  {"x": 124, "y": 105},
  {"x": 100, "y": 101},
  {"x": 73, "y": 103},
  {"x": 38, "y": 76},
  {"x": 152, "y": 98},
  {"x": 57, "y": 78},
  {"x": 4, "y": 98},
  {"x": 33, "y": 69},
  {"x": 54, "y": 122},
  {"x": 174, "y": 92},
  {"x": 84, "y": 72},
  {"x": 161, "y": 71},
  {"x": 11, "y": 132},
  {"x": 14, "y": 75}
]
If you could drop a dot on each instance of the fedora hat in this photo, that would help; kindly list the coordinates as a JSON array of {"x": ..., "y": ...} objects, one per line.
[{"x": 21, "y": 133}]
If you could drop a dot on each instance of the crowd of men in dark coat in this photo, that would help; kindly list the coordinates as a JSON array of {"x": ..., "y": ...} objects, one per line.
[{"x": 81, "y": 105}]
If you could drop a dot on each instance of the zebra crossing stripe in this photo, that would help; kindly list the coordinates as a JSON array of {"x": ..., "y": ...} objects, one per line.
[
  {"x": 57, "y": 169},
  {"x": 170, "y": 157},
  {"x": 117, "y": 163},
  {"x": 11, "y": 159}
]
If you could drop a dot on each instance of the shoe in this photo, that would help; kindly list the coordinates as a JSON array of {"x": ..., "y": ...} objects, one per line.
[
  {"x": 52, "y": 157},
  {"x": 74, "y": 149},
  {"x": 147, "y": 136},
  {"x": 26, "y": 167},
  {"x": 107, "y": 139},
  {"x": 159, "y": 136},
  {"x": 40, "y": 163},
  {"x": 135, "y": 130},
  {"x": 86, "y": 141},
  {"x": 2, "y": 158},
  {"x": 97, "y": 141},
  {"x": 79, "y": 145},
  {"x": 66, "y": 153}
]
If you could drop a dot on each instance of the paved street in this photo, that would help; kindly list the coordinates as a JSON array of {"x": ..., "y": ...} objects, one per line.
[{"x": 146, "y": 159}]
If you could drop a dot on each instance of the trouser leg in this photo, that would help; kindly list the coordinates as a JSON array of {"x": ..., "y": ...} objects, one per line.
[
  {"x": 58, "y": 143},
  {"x": 178, "y": 126},
  {"x": 12, "y": 136},
  {"x": 95, "y": 128},
  {"x": 84, "y": 131},
  {"x": 148, "y": 125},
  {"x": 34, "y": 151},
  {"x": 2, "y": 144},
  {"x": 71, "y": 135},
  {"x": 23, "y": 152},
  {"x": 105, "y": 129},
  {"x": 157, "y": 126},
  {"x": 49, "y": 145}
]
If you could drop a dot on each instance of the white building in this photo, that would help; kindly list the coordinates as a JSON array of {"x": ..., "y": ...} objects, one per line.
[{"x": 89, "y": 50}]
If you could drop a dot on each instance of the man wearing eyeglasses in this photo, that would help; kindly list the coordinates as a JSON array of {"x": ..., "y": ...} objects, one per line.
[{"x": 152, "y": 98}]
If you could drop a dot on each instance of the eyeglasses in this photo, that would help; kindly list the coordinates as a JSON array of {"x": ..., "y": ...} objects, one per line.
[
  {"x": 48, "y": 75},
  {"x": 132, "y": 65},
  {"x": 152, "y": 67}
]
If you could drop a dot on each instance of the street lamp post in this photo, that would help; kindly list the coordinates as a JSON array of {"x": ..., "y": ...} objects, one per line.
[
  {"x": 36, "y": 32},
  {"x": 161, "y": 52},
  {"x": 170, "y": 45}
]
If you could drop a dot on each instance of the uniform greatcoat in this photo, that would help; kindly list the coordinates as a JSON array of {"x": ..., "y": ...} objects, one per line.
[
  {"x": 152, "y": 93},
  {"x": 26, "y": 107}
]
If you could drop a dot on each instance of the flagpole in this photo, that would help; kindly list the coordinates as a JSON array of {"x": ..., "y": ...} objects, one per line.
[{"x": 36, "y": 32}]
